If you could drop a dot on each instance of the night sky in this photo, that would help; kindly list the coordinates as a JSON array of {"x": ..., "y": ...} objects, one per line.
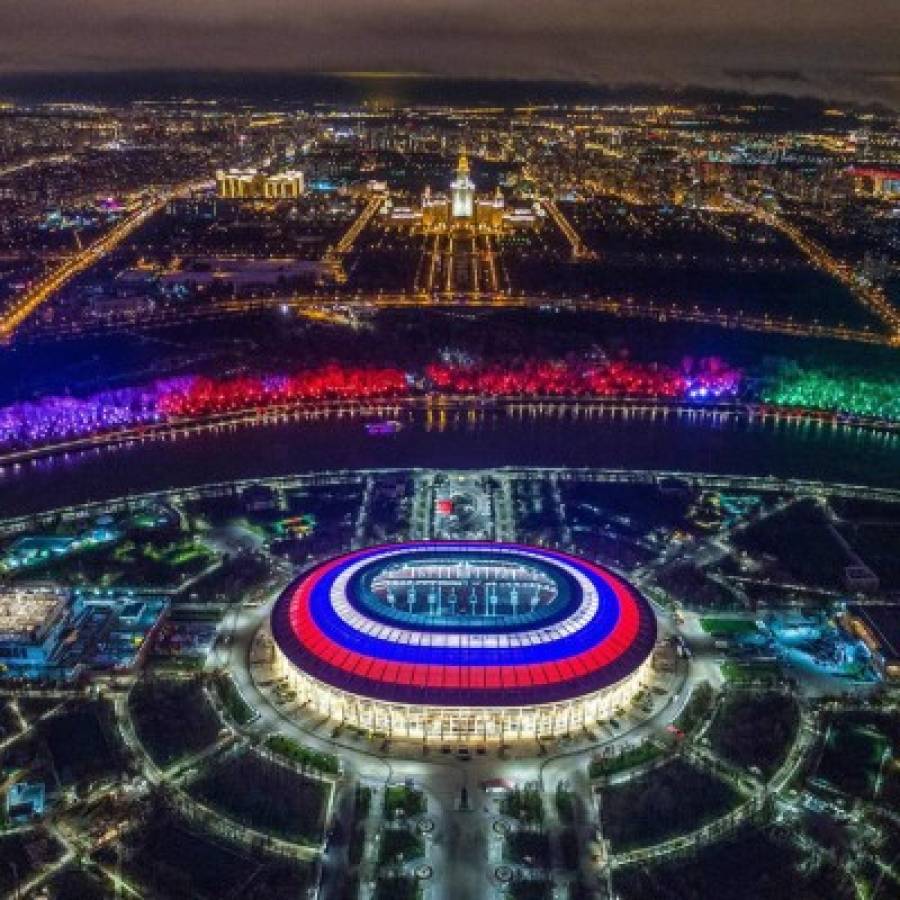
[{"x": 828, "y": 48}]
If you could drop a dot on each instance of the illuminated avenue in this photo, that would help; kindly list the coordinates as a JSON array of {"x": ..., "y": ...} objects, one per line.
[
  {"x": 43, "y": 291},
  {"x": 870, "y": 296}
]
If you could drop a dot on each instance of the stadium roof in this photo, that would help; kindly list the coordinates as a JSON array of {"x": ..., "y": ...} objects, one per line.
[{"x": 324, "y": 625}]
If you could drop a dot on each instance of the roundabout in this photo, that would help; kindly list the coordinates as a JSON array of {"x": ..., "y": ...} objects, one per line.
[{"x": 463, "y": 641}]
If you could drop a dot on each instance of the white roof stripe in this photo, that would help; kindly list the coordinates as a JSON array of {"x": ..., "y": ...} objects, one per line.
[{"x": 581, "y": 615}]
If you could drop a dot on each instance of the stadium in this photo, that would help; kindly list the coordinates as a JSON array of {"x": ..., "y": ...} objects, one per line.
[{"x": 463, "y": 641}]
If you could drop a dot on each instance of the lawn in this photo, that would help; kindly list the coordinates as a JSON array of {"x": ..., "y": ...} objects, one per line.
[
  {"x": 173, "y": 718},
  {"x": 694, "y": 586},
  {"x": 753, "y": 865},
  {"x": 402, "y": 800},
  {"x": 565, "y": 804},
  {"x": 399, "y": 887},
  {"x": 727, "y": 627},
  {"x": 9, "y": 721},
  {"x": 148, "y": 564},
  {"x": 751, "y": 672},
  {"x": 528, "y": 889},
  {"x": 636, "y": 508},
  {"x": 236, "y": 707},
  {"x": 179, "y": 864},
  {"x": 755, "y": 729},
  {"x": 303, "y": 756},
  {"x": 604, "y": 766},
  {"x": 524, "y": 805},
  {"x": 74, "y": 884},
  {"x": 277, "y": 880},
  {"x": 231, "y": 581},
  {"x": 33, "y": 707},
  {"x": 265, "y": 796},
  {"x": 856, "y": 756},
  {"x": 697, "y": 708},
  {"x": 800, "y": 539},
  {"x": 399, "y": 845},
  {"x": 24, "y": 852},
  {"x": 529, "y": 848},
  {"x": 568, "y": 847},
  {"x": 879, "y": 545},
  {"x": 670, "y": 800},
  {"x": 82, "y": 741}
]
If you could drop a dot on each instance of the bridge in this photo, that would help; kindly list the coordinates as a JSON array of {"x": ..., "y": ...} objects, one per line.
[{"x": 79, "y": 512}]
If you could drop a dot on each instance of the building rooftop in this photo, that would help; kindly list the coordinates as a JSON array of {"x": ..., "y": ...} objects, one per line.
[
  {"x": 25, "y": 613},
  {"x": 882, "y": 621},
  {"x": 25, "y": 800}
]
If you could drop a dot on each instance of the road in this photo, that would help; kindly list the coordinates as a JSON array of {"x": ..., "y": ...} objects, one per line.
[
  {"x": 871, "y": 297},
  {"x": 341, "y": 305},
  {"x": 24, "y": 305}
]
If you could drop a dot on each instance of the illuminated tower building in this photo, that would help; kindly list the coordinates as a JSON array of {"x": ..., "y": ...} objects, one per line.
[{"x": 462, "y": 190}]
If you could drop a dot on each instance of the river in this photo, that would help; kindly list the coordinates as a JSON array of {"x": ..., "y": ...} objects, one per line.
[{"x": 461, "y": 439}]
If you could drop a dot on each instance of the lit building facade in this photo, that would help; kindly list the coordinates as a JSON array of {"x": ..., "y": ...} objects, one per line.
[
  {"x": 877, "y": 625},
  {"x": 250, "y": 184},
  {"x": 47, "y": 631},
  {"x": 462, "y": 209},
  {"x": 875, "y": 182}
]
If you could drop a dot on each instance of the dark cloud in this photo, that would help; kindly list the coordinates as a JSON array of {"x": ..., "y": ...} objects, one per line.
[{"x": 839, "y": 48}]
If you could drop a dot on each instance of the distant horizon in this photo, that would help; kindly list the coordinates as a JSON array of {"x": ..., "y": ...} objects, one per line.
[
  {"x": 387, "y": 87},
  {"x": 838, "y": 50}
]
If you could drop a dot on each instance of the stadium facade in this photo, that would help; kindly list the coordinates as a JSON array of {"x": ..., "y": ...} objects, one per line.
[{"x": 463, "y": 641}]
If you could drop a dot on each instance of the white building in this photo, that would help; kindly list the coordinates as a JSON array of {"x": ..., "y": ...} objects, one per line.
[
  {"x": 251, "y": 184},
  {"x": 462, "y": 190}
]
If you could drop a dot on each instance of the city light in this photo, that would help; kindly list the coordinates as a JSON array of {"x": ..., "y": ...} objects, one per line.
[
  {"x": 831, "y": 390},
  {"x": 51, "y": 419}
]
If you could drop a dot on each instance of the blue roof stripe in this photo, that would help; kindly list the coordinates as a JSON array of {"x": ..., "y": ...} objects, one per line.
[{"x": 557, "y": 646}]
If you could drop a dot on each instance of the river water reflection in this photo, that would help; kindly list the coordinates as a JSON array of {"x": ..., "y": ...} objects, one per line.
[{"x": 462, "y": 438}]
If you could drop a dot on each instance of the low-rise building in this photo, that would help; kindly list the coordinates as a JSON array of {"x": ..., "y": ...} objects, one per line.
[
  {"x": 25, "y": 802},
  {"x": 32, "y": 622},
  {"x": 51, "y": 632},
  {"x": 877, "y": 625}
]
